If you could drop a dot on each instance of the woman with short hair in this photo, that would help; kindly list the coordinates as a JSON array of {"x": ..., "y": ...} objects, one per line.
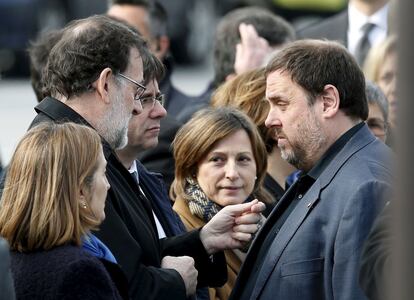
[{"x": 220, "y": 160}]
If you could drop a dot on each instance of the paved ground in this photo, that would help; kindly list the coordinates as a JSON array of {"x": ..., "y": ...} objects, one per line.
[{"x": 17, "y": 101}]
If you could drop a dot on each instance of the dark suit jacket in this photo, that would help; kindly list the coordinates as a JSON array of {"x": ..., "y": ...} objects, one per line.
[
  {"x": 376, "y": 257},
  {"x": 130, "y": 233},
  {"x": 333, "y": 28},
  {"x": 6, "y": 283},
  {"x": 316, "y": 253},
  {"x": 154, "y": 189}
]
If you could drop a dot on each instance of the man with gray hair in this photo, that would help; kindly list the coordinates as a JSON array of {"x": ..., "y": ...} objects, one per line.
[{"x": 377, "y": 110}]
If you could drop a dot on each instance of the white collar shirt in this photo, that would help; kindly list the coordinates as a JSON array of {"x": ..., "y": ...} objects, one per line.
[{"x": 356, "y": 20}]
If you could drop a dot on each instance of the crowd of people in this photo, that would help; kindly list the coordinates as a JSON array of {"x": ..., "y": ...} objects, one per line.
[{"x": 269, "y": 185}]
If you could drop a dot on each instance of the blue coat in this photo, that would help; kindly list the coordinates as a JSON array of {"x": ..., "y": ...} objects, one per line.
[{"x": 316, "y": 254}]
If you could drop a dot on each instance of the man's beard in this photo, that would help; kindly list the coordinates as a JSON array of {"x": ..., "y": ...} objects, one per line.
[
  {"x": 309, "y": 140},
  {"x": 114, "y": 125}
]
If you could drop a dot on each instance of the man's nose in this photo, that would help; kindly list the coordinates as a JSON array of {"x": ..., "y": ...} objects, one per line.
[{"x": 273, "y": 119}]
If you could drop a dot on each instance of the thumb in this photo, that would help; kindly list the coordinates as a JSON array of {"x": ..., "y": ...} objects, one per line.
[{"x": 239, "y": 209}]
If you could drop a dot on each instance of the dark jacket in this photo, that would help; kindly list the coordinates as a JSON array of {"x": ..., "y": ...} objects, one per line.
[
  {"x": 64, "y": 272},
  {"x": 333, "y": 28},
  {"x": 6, "y": 282},
  {"x": 130, "y": 233},
  {"x": 315, "y": 254}
]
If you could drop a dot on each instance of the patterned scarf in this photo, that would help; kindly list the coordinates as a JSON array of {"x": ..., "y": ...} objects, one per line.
[{"x": 199, "y": 203}]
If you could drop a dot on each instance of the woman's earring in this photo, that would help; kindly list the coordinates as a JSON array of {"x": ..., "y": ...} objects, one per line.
[
  {"x": 83, "y": 204},
  {"x": 255, "y": 178}
]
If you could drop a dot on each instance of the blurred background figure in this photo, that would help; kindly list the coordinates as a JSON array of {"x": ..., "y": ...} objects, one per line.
[
  {"x": 39, "y": 50},
  {"x": 381, "y": 68},
  {"x": 362, "y": 25},
  {"x": 47, "y": 217},
  {"x": 211, "y": 173},
  {"x": 150, "y": 19},
  {"x": 247, "y": 93},
  {"x": 272, "y": 28},
  {"x": 377, "y": 111}
]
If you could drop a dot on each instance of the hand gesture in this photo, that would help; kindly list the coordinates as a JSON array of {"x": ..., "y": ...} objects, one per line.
[
  {"x": 232, "y": 227},
  {"x": 252, "y": 50},
  {"x": 184, "y": 265}
]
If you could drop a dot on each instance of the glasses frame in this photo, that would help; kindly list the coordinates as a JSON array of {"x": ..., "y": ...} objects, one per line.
[
  {"x": 140, "y": 88},
  {"x": 160, "y": 99}
]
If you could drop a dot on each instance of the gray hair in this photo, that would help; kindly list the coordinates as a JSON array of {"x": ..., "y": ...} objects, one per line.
[{"x": 376, "y": 96}]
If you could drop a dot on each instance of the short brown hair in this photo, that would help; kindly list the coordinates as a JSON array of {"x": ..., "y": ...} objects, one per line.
[
  {"x": 199, "y": 135},
  {"x": 312, "y": 64},
  {"x": 40, "y": 206},
  {"x": 247, "y": 92}
]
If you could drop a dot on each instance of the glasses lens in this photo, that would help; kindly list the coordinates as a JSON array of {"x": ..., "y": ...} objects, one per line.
[{"x": 161, "y": 99}]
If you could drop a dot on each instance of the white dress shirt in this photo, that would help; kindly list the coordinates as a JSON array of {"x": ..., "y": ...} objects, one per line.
[
  {"x": 356, "y": 20},
  {"x": 134, "y": 171}
]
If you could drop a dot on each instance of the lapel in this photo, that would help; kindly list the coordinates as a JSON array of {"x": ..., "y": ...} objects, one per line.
[{"x": 361, "y": 138}]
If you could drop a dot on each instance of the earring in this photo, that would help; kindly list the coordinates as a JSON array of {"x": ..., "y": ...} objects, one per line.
[
  {"x": 255, "y": 178},
  {"x": 83, "y": 204}
]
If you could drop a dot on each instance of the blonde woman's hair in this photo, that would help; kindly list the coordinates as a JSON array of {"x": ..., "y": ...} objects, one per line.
[
  {"x": 376, "y": 57},
  {"x": 247, "y": 92},
  {"x": 201, "y": 133},
  {"x": 40, "y": 207}
]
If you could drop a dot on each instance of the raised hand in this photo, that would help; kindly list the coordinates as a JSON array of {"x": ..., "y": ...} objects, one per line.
[{"x": 232, "y": 227}]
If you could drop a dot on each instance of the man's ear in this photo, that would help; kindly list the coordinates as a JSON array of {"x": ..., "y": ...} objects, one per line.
[
  {"x": 102, "y": 84},
  {"x": 330, "y": 101},
  {"x": 163, "y": 46}
]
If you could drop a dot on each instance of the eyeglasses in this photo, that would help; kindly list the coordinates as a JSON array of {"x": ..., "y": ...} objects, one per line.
[
  {"x": 148, "y": 102},
  {"x": 140, "y": 88}
]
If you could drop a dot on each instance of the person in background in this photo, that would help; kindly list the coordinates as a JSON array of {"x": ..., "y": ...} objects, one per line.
[
  {"x": 211, "y": 173},
  {"x": 247, "y": 93},
  {"x": 377, "y": 111},
  {"x": 381, "y": 68},
  {"x": 46, "y": 217},
  {"x": 39, "y": 50},
  {"x": 363, "y": 25},
  {"x": 272, "y": 29}
]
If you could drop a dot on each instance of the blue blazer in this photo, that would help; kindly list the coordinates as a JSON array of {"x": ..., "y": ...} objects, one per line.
[{"x": 316, "y": 254}]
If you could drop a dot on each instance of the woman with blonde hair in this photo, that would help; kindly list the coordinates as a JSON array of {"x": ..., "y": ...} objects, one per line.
[
  {"x": 247, "y": 93},
  {"x": 220, "y": 160},
  {"x": 381, "y": 68},
  {"x": 54, "y": 194}
]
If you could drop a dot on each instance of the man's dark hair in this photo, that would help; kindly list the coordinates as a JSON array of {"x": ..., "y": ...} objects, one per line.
[
  {"x": 312, "y": 64},
  {"x": 86, "y": 48},
  {"x": 39, "y": 52},
  {"x": 145, "y": 3},
  {"x": 269, "y": 26},
  {"x": 153, "y": 68}
]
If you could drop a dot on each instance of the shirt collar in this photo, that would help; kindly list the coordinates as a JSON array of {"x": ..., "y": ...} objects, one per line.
[
  {"x": 356, "y": 19},
  {"x": 133, "y": 169}
]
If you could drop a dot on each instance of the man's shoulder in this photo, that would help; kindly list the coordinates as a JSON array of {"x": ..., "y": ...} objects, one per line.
[{"x": 332, "y": 28}]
